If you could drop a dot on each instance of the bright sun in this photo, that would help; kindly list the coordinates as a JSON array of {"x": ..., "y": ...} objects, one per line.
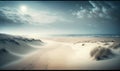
[{"x": 23, "y": 8}]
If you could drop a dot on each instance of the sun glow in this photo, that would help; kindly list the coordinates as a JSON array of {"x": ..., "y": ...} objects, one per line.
[{"x": 23, "y": 9}]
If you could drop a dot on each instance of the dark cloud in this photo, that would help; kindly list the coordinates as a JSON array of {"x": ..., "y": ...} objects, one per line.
[
  {"x": 99, "y": 9},
  {"x": 102, "y": 15},
  {"x": 12, "y": 17},
  {"x": 92, "y": 16}
]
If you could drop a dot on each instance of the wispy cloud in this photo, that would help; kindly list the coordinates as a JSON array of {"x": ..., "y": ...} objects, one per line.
[
  {"x": 15, "y": 16},
  {"x": 97, "y": 9},
  {"x": 43, "y": 17},
  {"x": 12, "y": 16}
]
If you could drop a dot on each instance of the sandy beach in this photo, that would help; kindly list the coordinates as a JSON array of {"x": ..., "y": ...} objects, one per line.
[{"x": 76, "y": 53}]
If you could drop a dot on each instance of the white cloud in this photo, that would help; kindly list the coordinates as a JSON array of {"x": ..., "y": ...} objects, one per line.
[
  {"x": 98, "y": 10},
  {"x": 11, "y": 16},
  {"x": 30, "y": 17},
  {"x": 44, "y": 17}
]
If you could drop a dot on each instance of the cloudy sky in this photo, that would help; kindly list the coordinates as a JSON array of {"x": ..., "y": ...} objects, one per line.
[{"x": 60, "y": 17}]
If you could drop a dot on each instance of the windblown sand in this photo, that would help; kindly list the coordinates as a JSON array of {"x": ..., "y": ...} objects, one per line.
[{"x": 60, "y": 53}]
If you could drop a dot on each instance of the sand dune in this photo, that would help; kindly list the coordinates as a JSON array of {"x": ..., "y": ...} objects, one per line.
[
  {"x": 71, "y": 53},
  {"x": 13, "y": 47},
  {"x": 101, "y": 53},
  {"x": 18, "y": 45},
  {"x": 6, "y": 57}
]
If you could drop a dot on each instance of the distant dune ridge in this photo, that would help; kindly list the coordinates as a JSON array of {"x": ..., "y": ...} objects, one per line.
[{"x": 15, "y": 44}]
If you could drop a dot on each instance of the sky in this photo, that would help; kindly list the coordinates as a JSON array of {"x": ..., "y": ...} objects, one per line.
[{"x": 60, "y": 17}]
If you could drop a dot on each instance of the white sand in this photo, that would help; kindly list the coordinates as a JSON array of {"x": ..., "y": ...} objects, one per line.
[{"x": 67, "y": 53}]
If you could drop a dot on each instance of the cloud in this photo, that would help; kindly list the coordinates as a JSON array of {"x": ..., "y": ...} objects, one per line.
[
  {"x": 98, "y": 9},
  {"x": 11, "y": 16},
  {"x": 14, "y": 16},
  {"x": 46, "y": 17}
]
